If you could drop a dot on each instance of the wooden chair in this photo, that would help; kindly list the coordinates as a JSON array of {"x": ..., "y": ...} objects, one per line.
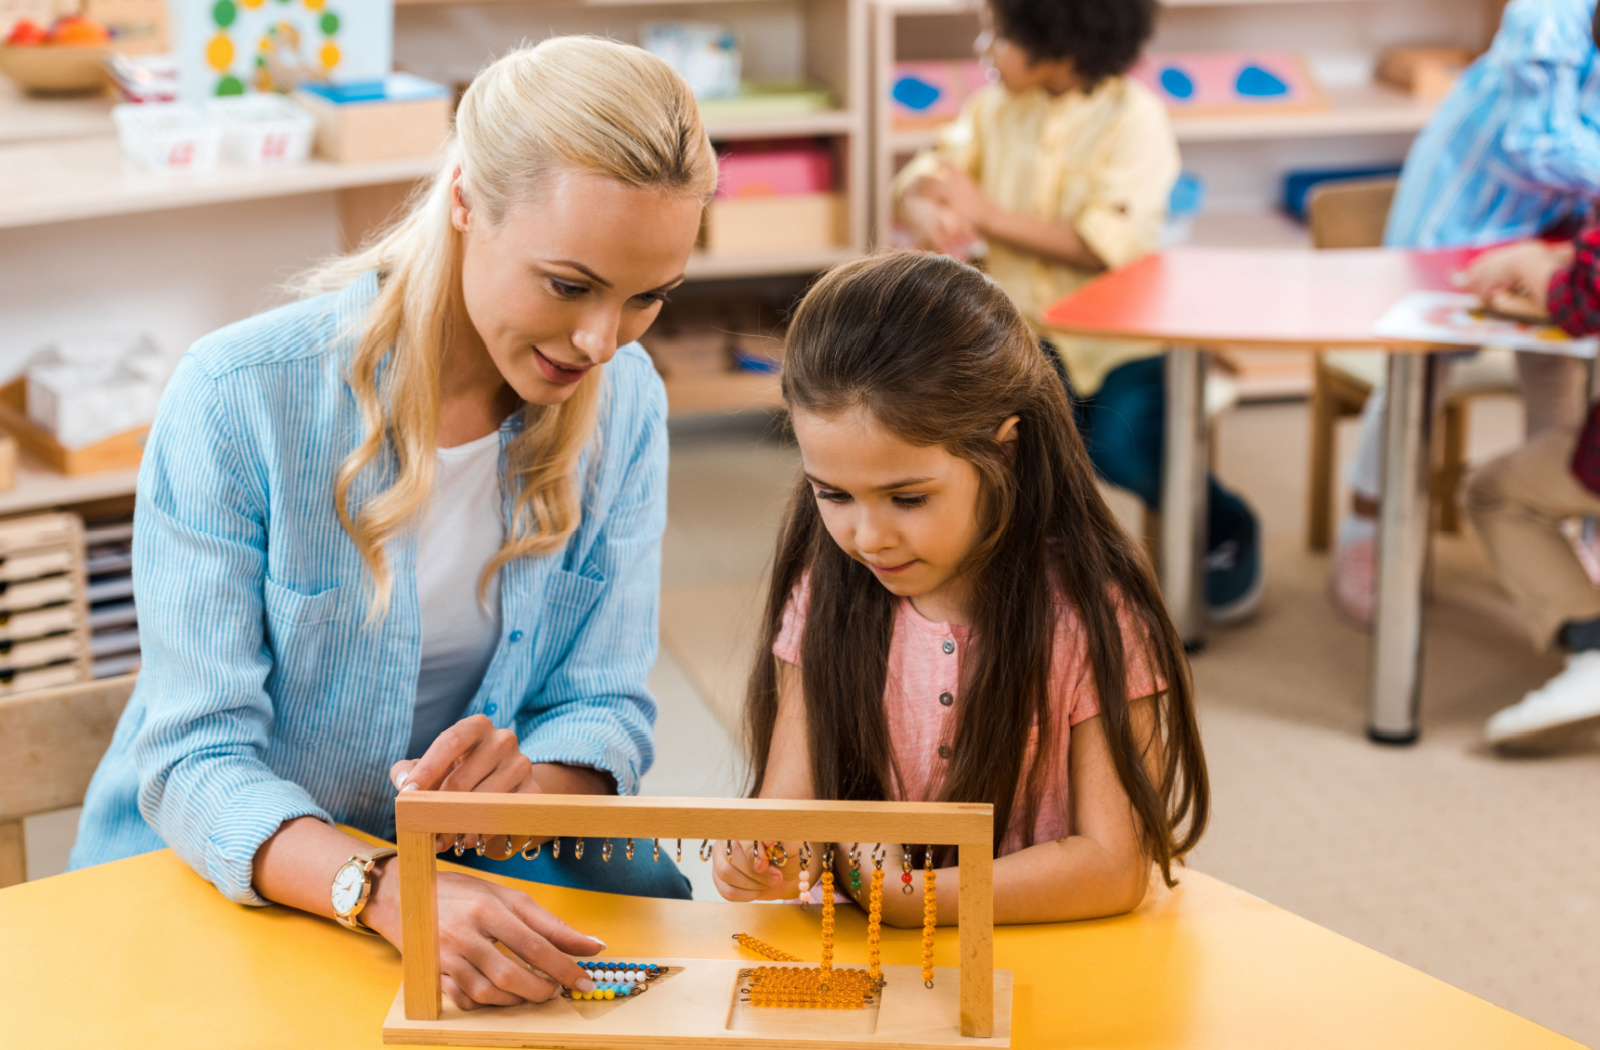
[
  {"x": 1352, "y": 214},
  {"x": 51, "y": 741}
]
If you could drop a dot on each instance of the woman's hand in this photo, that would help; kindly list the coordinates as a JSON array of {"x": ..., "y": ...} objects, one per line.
[
  {"x": 471, "y": 755},
  {"x": 744, "y": 875},
  {"x": 476, "y": 917}
]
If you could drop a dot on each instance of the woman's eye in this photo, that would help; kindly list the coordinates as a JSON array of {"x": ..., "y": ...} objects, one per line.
[
  {"x": 566, "y": 289},
  {"x": 830, "y": 496},
  {"x": 910, "y": 501},
  {"x": 652, "y": 298}
]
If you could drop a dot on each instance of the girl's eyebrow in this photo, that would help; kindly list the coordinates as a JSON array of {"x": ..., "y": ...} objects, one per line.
[{"x": 904, "y": 483}]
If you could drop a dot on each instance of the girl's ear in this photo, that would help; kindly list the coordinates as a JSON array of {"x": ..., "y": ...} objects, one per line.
[{"x": 1007, "y": 435}]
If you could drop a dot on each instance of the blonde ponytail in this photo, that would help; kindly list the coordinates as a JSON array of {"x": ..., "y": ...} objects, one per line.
[{"x": 570, "y": 103}]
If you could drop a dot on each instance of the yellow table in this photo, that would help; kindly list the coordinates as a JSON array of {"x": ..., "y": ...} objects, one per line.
[{"x": 144, "y": 953}]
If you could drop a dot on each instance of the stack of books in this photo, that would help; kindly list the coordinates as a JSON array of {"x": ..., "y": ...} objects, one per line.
[
  {"x": 44, "y": 628},
  {"x": 113, "y": 624}
]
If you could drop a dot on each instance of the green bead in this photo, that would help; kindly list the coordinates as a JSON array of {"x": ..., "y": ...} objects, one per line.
[
  {"x": 223, "y": 13},
  {"x": 330, "y": 23},
  {"x": 230, "y": 85}
]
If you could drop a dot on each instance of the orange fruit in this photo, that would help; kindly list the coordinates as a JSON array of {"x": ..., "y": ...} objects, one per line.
[{"x": 78, "y": 31}]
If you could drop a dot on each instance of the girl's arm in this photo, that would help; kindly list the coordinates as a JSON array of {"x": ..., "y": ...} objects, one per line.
[
  {"x": 743, "y": 877},
  {"x": 1098, "y": 870}
]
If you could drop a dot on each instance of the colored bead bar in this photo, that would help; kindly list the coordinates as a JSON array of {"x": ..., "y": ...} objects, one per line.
[
  {"x": 827, "y": 921},
  {"x": 749, "y": 943},
  {"x": 614, "y": 980},
  {"x": 930, "y": 919},
  {"x": 810, "y": 987},
  {"x": 874, "y": 919}
]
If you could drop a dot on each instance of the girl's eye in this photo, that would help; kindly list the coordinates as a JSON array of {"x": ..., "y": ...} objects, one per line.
[
  {"x": 566, "y": 289},
  {"x": 910, "y": 501},
  {"x": 831, "y": 496}
]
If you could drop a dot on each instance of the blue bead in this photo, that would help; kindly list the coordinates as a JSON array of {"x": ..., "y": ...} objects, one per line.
[
  {"x": 490, "y": 709},
  {"x": 516, "y": 636}
]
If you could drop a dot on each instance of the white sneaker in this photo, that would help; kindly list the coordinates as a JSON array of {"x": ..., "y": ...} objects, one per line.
[{"x": 1567, "y": 703}]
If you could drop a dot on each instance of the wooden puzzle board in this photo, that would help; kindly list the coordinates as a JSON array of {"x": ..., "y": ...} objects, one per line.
[{"x": 694, "y": 1007}]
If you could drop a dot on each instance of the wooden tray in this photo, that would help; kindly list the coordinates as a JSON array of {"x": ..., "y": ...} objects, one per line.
[{"x": 121, "y": 452}]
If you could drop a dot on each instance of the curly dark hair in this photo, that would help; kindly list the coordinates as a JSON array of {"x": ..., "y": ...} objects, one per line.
[{"x": 1103, "y": 38}]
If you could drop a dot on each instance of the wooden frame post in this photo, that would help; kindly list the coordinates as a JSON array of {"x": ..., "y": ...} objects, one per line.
[{"x": 421, "y": 815}]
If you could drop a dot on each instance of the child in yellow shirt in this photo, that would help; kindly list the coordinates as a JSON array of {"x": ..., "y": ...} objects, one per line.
[{"x": 1064, "y": 169}]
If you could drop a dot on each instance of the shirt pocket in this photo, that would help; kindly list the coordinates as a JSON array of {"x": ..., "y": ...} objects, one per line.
[
  {"x": 569, "y": 601},
  {"x": 304, "y": 635}
]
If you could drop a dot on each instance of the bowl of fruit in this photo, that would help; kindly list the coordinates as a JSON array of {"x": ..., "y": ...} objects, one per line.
[{"x": 68, "y": 58}]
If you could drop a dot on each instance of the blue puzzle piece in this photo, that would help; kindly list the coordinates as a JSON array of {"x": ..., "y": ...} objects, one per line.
[
  {"x": 1255, "y": 82},
  {"x": 1177, "y": 83},
  {"x": 914, "y": 93}
]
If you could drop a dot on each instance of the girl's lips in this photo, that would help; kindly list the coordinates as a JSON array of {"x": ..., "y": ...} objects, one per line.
[
  {"x": 890, "y": 571},
  {"x": 559, "y": 373}
]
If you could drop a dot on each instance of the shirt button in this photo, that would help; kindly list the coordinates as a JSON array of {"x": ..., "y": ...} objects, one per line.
[
  {"x": 949, "y": 646},
  {"x": 946, "y": 699},
  {"x": 944, "y": 750},
  {"x": 516, "y": 636},
  {"x": 489, "y": 710}
]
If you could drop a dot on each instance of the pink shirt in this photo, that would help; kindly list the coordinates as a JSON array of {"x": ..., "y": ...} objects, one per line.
[{"x": 925, "y": 660}]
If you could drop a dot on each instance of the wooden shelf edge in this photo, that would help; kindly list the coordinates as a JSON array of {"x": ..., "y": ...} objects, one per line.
[
  {"x": 798, "y": 125},
  {"x": 703, "y": 267},
  {"x": 722, "y": 393}
]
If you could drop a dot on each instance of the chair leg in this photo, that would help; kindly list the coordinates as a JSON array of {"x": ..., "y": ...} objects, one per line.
[
  {"x": 13, "y": 854},
  {"x": 1452, "y": 467},
  {"x": 1319, "y": 501}
]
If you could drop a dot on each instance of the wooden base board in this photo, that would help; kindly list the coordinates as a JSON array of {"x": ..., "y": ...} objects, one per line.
[{"x": 697, "y": 1007}]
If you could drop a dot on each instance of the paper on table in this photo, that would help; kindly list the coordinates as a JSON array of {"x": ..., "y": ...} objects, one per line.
[{"x": 1458, "y": 318}]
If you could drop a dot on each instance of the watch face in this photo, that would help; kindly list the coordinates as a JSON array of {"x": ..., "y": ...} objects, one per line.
[{"x": 347, "y": 886}]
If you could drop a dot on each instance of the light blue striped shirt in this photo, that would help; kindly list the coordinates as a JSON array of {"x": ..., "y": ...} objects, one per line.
[
  {"x": 263, "y": 695},
  {"x": 1515, "y": 147}
]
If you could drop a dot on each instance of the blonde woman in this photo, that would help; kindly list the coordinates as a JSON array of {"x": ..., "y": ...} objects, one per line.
[{"x": 406, "y": 533}]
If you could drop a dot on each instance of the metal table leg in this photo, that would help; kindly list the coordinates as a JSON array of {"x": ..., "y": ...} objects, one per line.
[
  {"x": 1402, "y": 549},
  {"x": 1183, "y": 495}
]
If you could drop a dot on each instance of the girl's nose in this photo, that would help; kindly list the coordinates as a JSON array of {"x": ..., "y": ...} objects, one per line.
[{"x": 872, "y": 536}]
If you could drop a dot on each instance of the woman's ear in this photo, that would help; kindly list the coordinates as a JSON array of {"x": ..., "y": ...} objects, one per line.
[
  {"x": 1007, "y": 435},
  {"x": 460, "y": 214}
]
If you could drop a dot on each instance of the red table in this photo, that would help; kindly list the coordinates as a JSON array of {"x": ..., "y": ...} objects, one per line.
[{"x": 1201, "y": 299}]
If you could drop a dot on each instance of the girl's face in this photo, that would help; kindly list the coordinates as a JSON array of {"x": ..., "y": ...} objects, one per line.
[
  {"x": 564, "y": 280},
  {"x": 909, "y": 513}
]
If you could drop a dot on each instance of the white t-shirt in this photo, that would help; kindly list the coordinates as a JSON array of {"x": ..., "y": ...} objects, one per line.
[{"x": 461, "y": 530}]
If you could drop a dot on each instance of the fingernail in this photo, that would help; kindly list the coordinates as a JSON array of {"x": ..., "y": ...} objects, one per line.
[
  {"x": 598, "y": 941},
  {"x": 400, "y": 781},
  {"x": 584, "y": 985},
  {"x": 408, "y": 787}
]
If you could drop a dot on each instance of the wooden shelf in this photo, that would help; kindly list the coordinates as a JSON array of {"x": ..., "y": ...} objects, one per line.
[
  {"x": 88, "y": 178},
  {"x": 798, "y": 125},
  {"x": 1368, "y": 109},
  {"x": 25, "y": 119},
  {"x": 40, "y": 488},
  {"x": 705, "y": 267},
  {"x": 721, "y": 393}
]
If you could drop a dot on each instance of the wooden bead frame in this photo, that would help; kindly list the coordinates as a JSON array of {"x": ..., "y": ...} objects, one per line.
[{"x": 422, "y": 815}]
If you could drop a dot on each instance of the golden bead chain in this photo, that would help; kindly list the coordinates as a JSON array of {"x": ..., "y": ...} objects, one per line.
[{"x": 930, "y": 915}]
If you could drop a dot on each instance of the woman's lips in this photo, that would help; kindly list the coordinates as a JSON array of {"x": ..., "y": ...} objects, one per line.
[{"x": 561, "y": 374}]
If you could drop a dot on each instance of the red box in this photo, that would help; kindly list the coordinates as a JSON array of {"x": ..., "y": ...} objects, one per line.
[{"x": 785, "y": 168}]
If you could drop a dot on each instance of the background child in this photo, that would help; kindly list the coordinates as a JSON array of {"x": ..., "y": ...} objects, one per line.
[
  {"x": 1064, "y": 168},
  {"x": 1513, "y": 152},
  {"x": 1519, "y": 501},
  {"x": 954, "y": 612}
]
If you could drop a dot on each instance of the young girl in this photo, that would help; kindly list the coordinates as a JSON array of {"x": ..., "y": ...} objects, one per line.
[{"x": 954, "y": 613}]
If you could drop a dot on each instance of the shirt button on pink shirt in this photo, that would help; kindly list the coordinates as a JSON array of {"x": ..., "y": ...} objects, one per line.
[{"x": 921, "y": 733}]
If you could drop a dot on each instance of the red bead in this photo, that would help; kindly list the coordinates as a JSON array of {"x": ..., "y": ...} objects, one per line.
[{"x": 906, "y": 878}]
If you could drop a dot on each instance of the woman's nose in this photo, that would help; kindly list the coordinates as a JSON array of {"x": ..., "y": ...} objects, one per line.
[{"x": 596, "y": 336}]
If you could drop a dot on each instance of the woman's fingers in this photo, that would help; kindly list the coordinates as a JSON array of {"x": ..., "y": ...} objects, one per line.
[
  {"x": 509, "y": 976},
  {"x": 551, "y": 928},
  {"x": 400, "y": 772},
  {"x": 473, "y": 988},
  {"x": 429, "y": 771}
]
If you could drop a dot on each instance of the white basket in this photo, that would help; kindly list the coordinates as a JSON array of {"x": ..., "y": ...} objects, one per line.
[
  {"x": 168, "y": 136},
  {"x": 263, "y": 129}
]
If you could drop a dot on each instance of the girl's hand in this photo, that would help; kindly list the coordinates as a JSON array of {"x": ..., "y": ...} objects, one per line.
[
  {"x": 475, "y": 916},
  {"x": 1522, "y": 270},
  {"x": 746, "y": 876},
  {"x": 956, "y": 190},
  {"x": 471, "y": 755},
  {"x": 936, "y": 228}
]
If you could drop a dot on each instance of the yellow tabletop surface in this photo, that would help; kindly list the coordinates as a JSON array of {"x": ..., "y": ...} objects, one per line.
[{"x": 144, "y": 953}]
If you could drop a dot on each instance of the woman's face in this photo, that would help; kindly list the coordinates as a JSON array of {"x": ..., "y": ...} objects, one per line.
[{"x": 564, "y": 280}]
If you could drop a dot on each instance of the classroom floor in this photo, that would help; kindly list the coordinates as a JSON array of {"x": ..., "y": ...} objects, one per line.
[{"x": 1474, "y": 868}]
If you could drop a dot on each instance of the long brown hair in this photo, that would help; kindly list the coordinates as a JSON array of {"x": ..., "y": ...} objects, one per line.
[{"x": 938, "y": 355}]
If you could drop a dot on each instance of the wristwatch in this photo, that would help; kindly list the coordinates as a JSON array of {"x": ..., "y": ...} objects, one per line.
[{"x": 352, "y": 885}]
